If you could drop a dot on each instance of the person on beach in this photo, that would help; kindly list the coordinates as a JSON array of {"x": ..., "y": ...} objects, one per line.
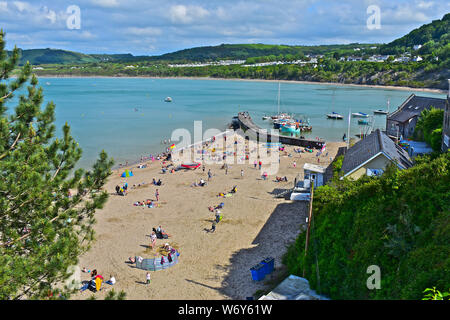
[
  {"x": 209, "y": 174},
  {"x": 242, "y": 173},
  {"x": 255, "y": 164},
  {"x": 264, "y": 175},
  {"x": 157, "y": 195},
  {"x": 148, "y": 278},
  {"x": 294, "y": 164},
  {"x": 153, "y": 238},
  {"x": 111, "y": 280},
  {"x": 260, "y": 164},
  {"x": 213, "y": 227}
]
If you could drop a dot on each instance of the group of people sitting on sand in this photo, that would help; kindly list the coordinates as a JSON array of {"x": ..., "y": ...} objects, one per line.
[
  {"x": 157, "y": 183},
  {"x": 91, "y": 284},
  {"x": 280, "y": 179},
  {"x": 202, "y": 183},
  {"x": 160, "y": 233},
  {"x": 145, "y": 203},
  {"x": 122, "y": 191},
  {"x": 229, "y": 194}
]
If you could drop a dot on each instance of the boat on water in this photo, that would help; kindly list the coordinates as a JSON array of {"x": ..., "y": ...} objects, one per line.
[
  {"x": 279, "y": 122},
  {"x": 363, "y": 122},
  {"x": 168, "y": 99},
  {"x": 360, "y": 115},
  {"x": 335, "y": 116},
  {"x": 265, "y": 117},
  {"x": 280, "y": 116},
  {"x": 290, "y": 128},
  {"x": 381, "y": 111}
]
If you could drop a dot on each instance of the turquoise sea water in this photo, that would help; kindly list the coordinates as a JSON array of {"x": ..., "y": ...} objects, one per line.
[{"x": 128, "y": 118}]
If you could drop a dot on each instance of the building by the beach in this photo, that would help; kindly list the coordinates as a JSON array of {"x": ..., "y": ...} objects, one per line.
[
  {"x": 371, "y": 155},
  {"x": 401, "y": 123}
]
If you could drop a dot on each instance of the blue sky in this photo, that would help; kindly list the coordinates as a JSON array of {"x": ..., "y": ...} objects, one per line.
[{"x": 150, "y": 27}]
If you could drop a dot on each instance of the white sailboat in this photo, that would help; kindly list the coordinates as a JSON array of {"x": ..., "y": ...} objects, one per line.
[
  {"x": 381, "y": 111},
  {"x": 280, "y": 116}
]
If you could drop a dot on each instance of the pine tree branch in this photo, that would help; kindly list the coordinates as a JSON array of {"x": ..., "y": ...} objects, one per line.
[
  {"x": 10, "y": 148},
  {"x": 50, "y": 221}
]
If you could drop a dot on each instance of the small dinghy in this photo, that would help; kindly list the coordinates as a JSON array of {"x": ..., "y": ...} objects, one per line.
[{"x": 194, "y": 165}]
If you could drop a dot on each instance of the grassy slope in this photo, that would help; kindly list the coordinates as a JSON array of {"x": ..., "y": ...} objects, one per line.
[{"x": 400, "y": 222}]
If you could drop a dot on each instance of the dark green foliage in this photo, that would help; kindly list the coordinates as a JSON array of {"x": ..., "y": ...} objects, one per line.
[
  {"x": 42, "y": 230},
  {"x": 399, "y": 221},
  {"x": 430, "y": 36},
  {"x": 429, "y": 127}
]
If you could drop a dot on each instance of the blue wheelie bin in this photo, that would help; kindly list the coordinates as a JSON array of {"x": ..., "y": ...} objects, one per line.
[
  {"x": 269, "y": 264},
  {"x": 258, "y": 272}
]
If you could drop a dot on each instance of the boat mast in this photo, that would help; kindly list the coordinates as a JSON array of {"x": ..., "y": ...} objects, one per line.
[
  {"x": 278, "y": 98},
  {"x": 348, "y": 130}
]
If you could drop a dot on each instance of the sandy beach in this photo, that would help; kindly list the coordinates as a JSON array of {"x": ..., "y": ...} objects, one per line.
[
  {"x": 431, "y": 90},
  {"x": 214, "y": 265}
]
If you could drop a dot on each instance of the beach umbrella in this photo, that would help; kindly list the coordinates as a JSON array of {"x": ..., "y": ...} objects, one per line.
[
  {"x": 172, "y": 146},
  {"x": 127, "y": 173}
]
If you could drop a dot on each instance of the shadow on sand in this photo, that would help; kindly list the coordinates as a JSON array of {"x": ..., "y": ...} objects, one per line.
[{"x": 279, "y": 231}]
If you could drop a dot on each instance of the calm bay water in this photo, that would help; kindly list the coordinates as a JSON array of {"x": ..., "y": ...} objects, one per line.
[{"x": 128, "y": 117}]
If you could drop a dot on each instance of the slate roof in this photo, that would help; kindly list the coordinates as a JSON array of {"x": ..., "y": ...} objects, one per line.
[
  {"x": 371, "y": 145},
  {"x": 413, "y": 106}
]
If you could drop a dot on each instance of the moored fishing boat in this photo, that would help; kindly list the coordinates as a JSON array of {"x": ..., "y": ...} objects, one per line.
[
  {"x": 290, "y": 128},
  {"x": 380, "y": 111},
  {"x": 168, "y": 99},
  {"x": 360, "y": 115},
  {"x": 363, "y": 122},
  {"x": 335, "y": 116},
  {"x": 279, "y": 122}
]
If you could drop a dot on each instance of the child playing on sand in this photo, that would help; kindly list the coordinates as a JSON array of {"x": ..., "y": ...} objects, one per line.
[{"x": 148, "y": 278}]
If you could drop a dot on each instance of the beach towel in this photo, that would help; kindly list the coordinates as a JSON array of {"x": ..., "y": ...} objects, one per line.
[{"x": 98, "y": 283}]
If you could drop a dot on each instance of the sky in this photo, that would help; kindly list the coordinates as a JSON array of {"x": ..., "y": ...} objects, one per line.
[{"x": 153, "y": 27}]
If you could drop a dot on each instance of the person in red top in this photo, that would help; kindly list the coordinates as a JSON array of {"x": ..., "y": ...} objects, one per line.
[{"x": 157, "y": 195}]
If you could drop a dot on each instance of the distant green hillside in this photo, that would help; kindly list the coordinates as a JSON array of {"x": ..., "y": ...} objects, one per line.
[
  {"x": 244, "y": 51},
  {"x": 431, "y": 36},
  {"x": 209, "y": 53},
  {"x": 54, "y": 56},
  {"x": 64, "y": 57}
]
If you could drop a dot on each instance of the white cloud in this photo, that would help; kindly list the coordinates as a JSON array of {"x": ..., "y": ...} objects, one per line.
[
  {"x": 186, "y": 14},
  {"x": 3, "y": 6},
  {"x": 425, "y": 5},
  {"x": 49, "y": 14},
  {"x": 22, "y": 6}
]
